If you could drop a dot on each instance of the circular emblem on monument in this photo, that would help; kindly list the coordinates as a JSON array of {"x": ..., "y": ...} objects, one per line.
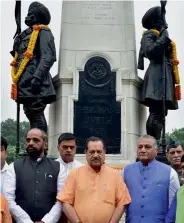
[{"x": 97, "y": 70}]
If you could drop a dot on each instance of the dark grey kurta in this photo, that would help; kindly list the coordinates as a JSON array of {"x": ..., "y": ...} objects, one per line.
[{"x": 152, "y": 48}]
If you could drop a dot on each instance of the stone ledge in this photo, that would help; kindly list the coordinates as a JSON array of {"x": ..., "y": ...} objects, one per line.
[{"x": 58, "y": 81}]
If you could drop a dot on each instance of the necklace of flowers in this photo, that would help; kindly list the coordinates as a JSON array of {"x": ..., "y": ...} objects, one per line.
[
  {"x": 175, "y": 63},
  {"x": 28, "y": 55}
]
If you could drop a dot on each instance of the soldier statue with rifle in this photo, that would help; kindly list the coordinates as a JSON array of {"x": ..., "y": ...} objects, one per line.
[
  {"x": 160, "y": 89},
  {"x": 34, "y": 54}
]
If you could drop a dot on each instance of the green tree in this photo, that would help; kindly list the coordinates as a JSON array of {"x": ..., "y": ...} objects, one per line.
[
  {"x": 176, "y": 134},
  {"x": 9, "y": 131},
  {"x": 11, "y": 154}
]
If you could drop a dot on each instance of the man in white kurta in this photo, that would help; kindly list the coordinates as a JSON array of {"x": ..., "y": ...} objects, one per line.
[
  {"x": 67, "y": 150},
  {"x": 4, "y": 165}
]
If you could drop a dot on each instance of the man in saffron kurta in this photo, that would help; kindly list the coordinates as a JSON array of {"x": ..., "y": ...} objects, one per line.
[
  {"x": 152, "y": 185},
  {"x": 94, "y": 193},
  {"x": 5, "y": 216}
]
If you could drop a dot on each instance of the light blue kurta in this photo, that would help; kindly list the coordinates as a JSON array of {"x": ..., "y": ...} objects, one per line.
[{"x": 149, "y": 191}]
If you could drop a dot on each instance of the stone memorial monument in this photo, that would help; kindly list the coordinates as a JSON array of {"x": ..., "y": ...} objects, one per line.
[{"x": 97, "y": 85}]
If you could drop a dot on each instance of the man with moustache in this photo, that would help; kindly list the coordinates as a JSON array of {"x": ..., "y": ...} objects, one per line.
[
  {"x": 174, "y": 154},
  {"x": 32, "y": 183},
  {"x": 94, "y": 193},
  {"x": 152, "y": 184}
]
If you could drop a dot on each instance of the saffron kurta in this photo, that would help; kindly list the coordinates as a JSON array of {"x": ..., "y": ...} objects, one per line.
[
  {"x": 5, "y": 216},
  {"x": 94, "y": 196}
]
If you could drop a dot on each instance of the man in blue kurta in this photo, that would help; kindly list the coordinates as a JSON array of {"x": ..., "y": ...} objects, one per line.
[{"x": 152, "y": 185}]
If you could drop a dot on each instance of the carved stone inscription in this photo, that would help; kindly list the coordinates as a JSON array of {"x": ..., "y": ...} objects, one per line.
[
  {"x": 97, "y": 113},
  {"x": 98, "y": 11}
]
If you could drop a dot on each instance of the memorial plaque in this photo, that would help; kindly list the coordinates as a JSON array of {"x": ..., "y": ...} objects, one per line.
[
  {"x": 94, "y": 12},
  {"x": 97, "y": 113},
  {"x": 98, "y": 11}
]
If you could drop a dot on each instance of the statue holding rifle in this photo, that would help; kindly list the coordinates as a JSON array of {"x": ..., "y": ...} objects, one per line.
[
  {"x": 34, "y": 54},
  {"x": 161, "y": 89}
]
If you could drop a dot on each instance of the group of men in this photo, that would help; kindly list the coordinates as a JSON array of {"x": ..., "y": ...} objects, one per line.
[{"x": 42, "y": 190}]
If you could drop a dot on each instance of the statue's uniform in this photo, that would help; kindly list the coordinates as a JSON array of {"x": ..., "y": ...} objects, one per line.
[{"x": 44, "y": 56}]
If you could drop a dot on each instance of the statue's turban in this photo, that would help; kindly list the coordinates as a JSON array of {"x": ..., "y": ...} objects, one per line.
[
  {"x": 41, "y": 12},
  {"x": 151, "y": 15}
]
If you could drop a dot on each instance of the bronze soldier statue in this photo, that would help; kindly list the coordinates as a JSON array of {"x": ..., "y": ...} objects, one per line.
[
  {"x": 155, "y": 42},
  {"x": 34, "y": 54}
]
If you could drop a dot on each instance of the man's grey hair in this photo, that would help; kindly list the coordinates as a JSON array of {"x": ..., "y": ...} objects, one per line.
[{"x": 149, "y": 137}]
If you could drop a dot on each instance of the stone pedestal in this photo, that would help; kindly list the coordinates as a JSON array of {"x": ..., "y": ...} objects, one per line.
[{"x": 106, "y": 30}]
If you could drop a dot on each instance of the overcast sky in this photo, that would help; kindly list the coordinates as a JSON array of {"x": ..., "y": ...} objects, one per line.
[{"x": 175, "y": 15}]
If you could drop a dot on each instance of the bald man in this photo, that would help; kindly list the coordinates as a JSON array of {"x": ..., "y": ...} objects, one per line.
[{"x": 32, "y": 183}]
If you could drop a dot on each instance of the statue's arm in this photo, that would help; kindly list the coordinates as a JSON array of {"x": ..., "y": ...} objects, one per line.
[
  {"x": 47, "y": 54},
  {"x": 153, "y": 47}
]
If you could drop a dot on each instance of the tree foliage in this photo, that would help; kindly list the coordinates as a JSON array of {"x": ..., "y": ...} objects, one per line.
[
  {"x": 11, "y": 154},
  {"x": 9, "y": 131},
  {"x": 176, "y": 134}
]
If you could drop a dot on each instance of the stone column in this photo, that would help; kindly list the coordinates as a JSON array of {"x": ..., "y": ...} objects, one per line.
[{"x": 107, "y": 30}]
